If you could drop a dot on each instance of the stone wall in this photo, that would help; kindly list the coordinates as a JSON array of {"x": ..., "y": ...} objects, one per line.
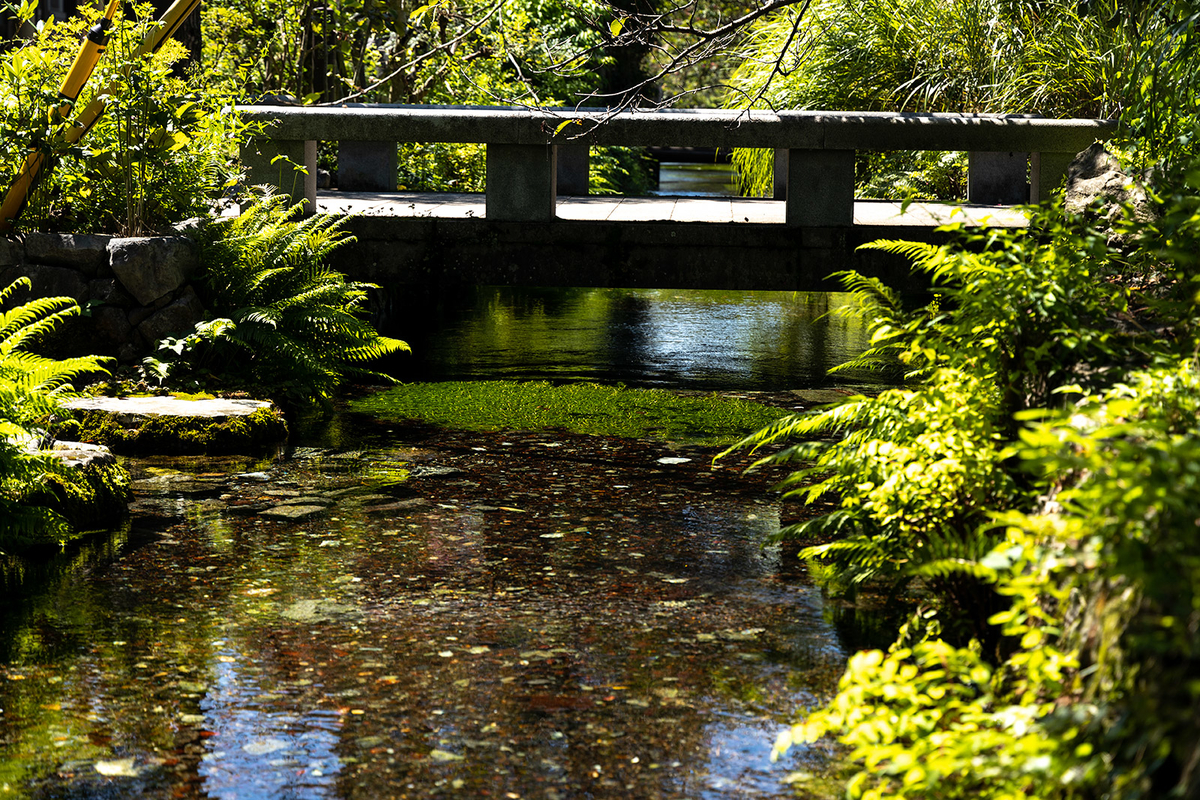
[{"x": 133, "y": 291}]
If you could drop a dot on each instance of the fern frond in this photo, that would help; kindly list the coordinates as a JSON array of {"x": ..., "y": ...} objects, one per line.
[
  {"x": 28, "y": 321},
  {"x": 8, "y": 291},
  {"x": 949, "y": 567},
  {"x": 379, "y": 347},
  {"x": 835, "y": 523},
  {"x": 868, "y": 293},
  {"x": 919, "y": 253}
]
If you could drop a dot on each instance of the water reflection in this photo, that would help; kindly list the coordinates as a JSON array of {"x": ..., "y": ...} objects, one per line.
[
  {"x": 642, "y": 337},
  {"x": 263, "y": 750}
]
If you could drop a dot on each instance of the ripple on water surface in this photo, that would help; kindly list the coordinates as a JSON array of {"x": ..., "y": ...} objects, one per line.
[{"x": 520, "y": 616}]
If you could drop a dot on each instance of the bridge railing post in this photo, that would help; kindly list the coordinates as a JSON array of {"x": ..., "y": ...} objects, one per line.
[
  {"x": 780, "y": 182},
  {"x": 521, "y": 183},
  {"x": 997, "y": 178},
  {"x": 820, "y": 188},
  {"x": 574, "y": 162},
  {"x": 1046, "y": 172},
  {"x": 288, "y": 165},
  {"x": 367, "y": 166}
]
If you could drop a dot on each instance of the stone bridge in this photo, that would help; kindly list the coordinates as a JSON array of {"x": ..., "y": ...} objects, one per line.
[{"x": 535, "y": 225}]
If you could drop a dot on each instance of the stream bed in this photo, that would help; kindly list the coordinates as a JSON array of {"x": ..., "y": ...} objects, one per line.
[{"x": 396, "y": 610}]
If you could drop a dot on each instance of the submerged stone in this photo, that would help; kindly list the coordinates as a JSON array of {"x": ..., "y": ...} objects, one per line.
[
  {"x": 316, "y": 611},
  {"x": 292, "y": 512},
  {"x": 170, "y": 425},
  {"x": 399, "y": 505}
]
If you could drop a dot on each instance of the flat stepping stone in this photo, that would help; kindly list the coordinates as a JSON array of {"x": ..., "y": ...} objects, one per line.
[
  {"x": 171, "y": 425},
  {"x": 131, "y": 408}
]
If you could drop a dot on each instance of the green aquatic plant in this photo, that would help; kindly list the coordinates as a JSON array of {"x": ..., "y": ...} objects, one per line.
[{"x": 585, "y": 408}]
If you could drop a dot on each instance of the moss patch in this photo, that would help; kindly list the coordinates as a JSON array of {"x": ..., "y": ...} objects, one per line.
[
  {"x": 88, "y": 498},
  {"x": 585, "y": 408},
  {"x": 170, "y": 435}
]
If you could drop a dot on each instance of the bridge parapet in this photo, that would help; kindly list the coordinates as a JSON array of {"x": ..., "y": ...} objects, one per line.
[{"x": 529, "y": 149}]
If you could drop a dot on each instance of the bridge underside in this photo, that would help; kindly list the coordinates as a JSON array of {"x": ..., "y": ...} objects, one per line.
[{"x": 666, "y": 243}]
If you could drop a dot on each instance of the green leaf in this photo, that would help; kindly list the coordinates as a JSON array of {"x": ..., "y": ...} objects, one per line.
[{"x": 562, "y": 125}]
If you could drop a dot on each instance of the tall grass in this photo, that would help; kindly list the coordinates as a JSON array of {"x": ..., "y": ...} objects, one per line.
[{"x": 1057, "y": 58}]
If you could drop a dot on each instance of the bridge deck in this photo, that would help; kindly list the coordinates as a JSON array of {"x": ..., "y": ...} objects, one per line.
[{"x": 875, "y": 213}]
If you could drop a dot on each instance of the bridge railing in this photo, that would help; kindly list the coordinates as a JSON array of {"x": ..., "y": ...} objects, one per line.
[{"x": 533, "y": 155}]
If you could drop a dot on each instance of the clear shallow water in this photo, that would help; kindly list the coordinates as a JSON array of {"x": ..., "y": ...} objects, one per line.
[
  {"x": 520, "y": 615},
  {"x": 697, "y": 180},
  {"x": 642, "y": 337}
]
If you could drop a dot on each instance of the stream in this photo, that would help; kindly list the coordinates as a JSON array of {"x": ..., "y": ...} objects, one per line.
[{"x": 394, "y": 610}]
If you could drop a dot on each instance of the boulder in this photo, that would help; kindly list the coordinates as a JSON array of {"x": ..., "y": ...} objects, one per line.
[
  {"x": 111, "y": 325},
  {"x": 12, "y": 254},
  {"x": 1096, "y": 182},
  {"x": 84, "y": 252},
  {"x": 92, "y": 493},
  {"x": 81, "y": 455},
  {"x": 108, "y": 291},
  {"x": 174, "y": 319},
  {"x": 152, "y": 266},
  {"x": 56, "y": 282}
]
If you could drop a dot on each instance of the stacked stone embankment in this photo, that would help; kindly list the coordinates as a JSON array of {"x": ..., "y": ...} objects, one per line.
[{"x": 134, "y": 290}]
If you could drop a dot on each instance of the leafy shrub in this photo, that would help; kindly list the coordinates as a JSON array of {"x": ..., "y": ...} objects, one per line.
[
  {"x": 159, "y": 154},
  {"x": 917, "y": 472},
  {"x": 1097, "y": 696},
  {"x": 291, "y": 324}
]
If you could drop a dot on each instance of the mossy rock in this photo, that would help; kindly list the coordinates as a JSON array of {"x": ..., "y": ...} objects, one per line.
[
  {"x": 93, "y": 493},
  {"x": 174, "y": 426}
]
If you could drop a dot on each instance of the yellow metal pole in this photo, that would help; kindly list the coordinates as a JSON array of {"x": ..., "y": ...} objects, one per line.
[
  {"x": 89, "y": 53},
  {"x": 167, "y": 25},
  {"x": 85, "y": 62},
  {"x": 38, "y": 161}
]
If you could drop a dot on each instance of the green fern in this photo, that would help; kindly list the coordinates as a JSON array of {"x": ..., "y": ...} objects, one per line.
[
  {"x": 30, "y": 386},
  {"x": 296, "y": 325}
]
